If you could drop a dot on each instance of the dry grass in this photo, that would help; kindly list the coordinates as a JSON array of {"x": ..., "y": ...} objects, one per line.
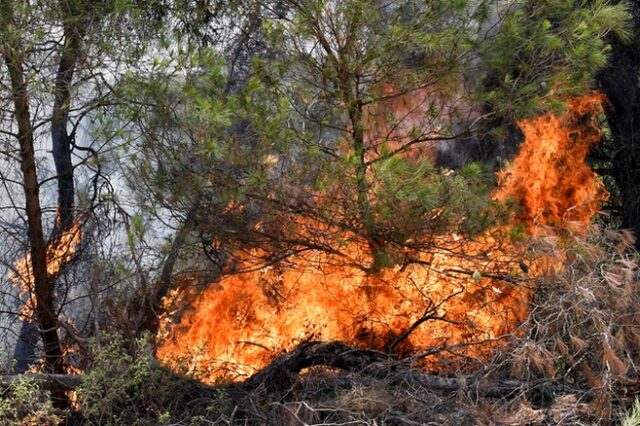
[
  {"x": 402, "y": 397},
  {"x": 584, "y": 328}
]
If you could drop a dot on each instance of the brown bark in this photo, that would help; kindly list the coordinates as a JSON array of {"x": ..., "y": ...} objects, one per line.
[
  {"x": 41, "y": 282},
  {"x": 62, "y": 143},
  {"x": 282, "y": 372}
]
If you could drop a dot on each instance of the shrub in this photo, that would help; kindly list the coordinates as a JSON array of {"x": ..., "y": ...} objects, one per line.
[
  {"x": 25, "y": 403},
  {"x": 126, "y": 387}
]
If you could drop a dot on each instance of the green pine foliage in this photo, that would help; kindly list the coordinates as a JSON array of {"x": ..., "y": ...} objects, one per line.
[
  {"x": 413, "y": 199},
  {"x": 301, "y": 126},
  {"x": 547, "y": 51}
]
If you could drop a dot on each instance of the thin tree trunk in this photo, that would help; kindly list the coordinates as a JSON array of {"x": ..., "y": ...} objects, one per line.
[
  {"x": 153, "y": 304},
  {"x": 62, "y": 141},
  {"x": 24, "y": 352},
  {"x": 40, "y": 280},
  {"x": 60, "y": 138},
  {"x": 375, "y": 242}
]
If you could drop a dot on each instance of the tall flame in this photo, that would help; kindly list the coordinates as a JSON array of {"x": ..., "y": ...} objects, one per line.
[
  {"x": 464, "y": 300},
  {"x": 549, "y": 178}
]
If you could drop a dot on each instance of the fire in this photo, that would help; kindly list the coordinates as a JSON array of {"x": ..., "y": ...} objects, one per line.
[
  {"x": 463, "y": 296},
  {"x": 59, "y": 254},
  {"x": 549, "y": 178},
  {"x": 241, "y": 322}
]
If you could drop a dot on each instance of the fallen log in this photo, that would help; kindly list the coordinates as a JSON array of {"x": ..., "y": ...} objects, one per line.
[{"x": 282, "y": 371}]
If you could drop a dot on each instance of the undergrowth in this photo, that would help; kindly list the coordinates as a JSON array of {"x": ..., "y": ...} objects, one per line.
[
  {"x": 25, "y": 403},
  {"x": 583, "y": 330},
  {"x": 574, "y": 360}
]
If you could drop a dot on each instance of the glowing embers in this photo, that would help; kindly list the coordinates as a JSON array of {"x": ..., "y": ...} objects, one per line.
[{"x": 459, "y": 296}]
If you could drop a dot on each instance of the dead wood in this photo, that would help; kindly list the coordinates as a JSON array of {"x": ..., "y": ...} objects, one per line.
[{"x": 283, "y": 371}]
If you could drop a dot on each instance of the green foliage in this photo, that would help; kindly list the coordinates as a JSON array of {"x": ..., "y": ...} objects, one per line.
[
  {"x": 350, "y": 62},
  {"x": 26, "y": 403},
  {"x": 186, "y": 124},
  {"x": 125, "y": 388},
  {"x": 546, "y": 51},
  {"x": 324, "y": 118},
  {"x": 415, "y": 199},
  {"x": 632, "y": 417}
]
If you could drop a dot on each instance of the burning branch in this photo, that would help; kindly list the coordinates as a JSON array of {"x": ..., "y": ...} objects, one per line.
[{"x": 429, "y": 314}]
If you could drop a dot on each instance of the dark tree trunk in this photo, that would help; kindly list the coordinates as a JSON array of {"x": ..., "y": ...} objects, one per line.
[
  {"x": 376, "y": 243},
  {"x": 24, "y": 353},
  {"x": 152, "y": 304},
  {"x": 40, "y": 280},
  {"x": 620, "y": 83},
  {"x": 61, "y": 140}
]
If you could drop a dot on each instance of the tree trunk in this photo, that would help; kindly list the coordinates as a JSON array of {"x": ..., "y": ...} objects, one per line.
[
  {"x": 152, "y": 304},
  {"x": 41, "y": 283},
  {"x": 62, "y": 141},
  {"x": 24, "y": 353},
  {"x": 60, "y": 138},
  {"x": 375, "y": 242}
]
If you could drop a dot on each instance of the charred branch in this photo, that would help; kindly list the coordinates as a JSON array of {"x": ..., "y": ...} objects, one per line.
[{"x": 281, "y": 373}]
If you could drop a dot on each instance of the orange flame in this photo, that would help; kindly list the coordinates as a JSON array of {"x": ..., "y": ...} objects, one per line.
[
  {"x": 549, "y": 178},
  {"x": 465, "y": 299},
  {"x": 59, "y": 254}
]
